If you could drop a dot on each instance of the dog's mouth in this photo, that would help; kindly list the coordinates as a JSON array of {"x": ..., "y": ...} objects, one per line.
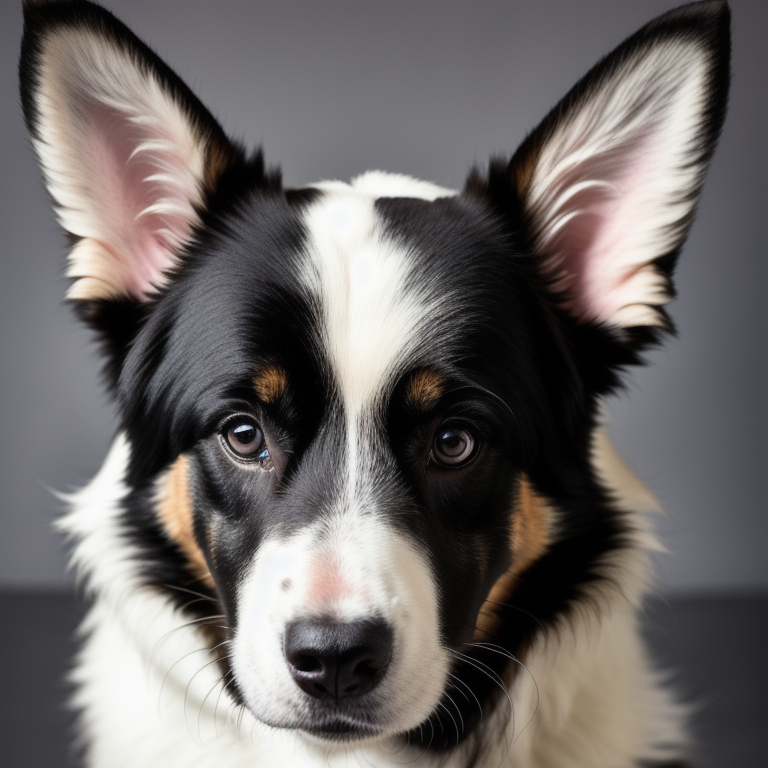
[
  {"x": 333, "y": 726},
  {"x": 341, "y": 730}
]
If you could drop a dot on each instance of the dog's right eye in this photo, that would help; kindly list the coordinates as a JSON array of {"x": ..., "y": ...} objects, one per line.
[{"x": 245, "y": 439}]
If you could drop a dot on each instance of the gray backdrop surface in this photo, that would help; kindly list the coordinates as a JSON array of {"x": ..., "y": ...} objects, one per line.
[{"x": 426, "y": 88}]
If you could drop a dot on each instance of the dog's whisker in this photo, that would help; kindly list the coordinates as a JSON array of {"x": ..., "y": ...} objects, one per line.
[
  {"x": 191, "y": 592},
  {"x": 217, "y": 684},
  {"x": 458, "y": 713},
  {"x": 427, "y": 745},
  {"x": 431, "y": 736},
  {"x": 424, "y": 748},
  {"x": 485, "y": 669},
  {"x": 185, "y": 606},
  {"x": 190, "y": 623},
  {"x": 504, "y": 652},
  {"x": 471, "y": 692},
  {"x": 201, "y": 621},
  {"x": 223, "y": 688},
  {"x": 517, "y": 608},
  {"x": 487, "y": 392},
  {"x": 495, "y": 649},
  {"x": 191, "y": 680},
  {"x": 230, "y": 716},
  {"x": 204, "y": 649},
  {"x": 455, "y": 686},
  {"x": 453, "y": 720}
]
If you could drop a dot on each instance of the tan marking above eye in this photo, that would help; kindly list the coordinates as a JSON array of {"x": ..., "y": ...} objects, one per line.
[
  {"x": 173, "y": 506},
  {"x": 424, "y": 389},
  {"x": 270, "y": 382},
  {"x": 531, "y": 535}
]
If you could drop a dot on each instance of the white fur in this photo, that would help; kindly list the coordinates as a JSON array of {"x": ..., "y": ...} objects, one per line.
[{"x": 382, "y": 184}]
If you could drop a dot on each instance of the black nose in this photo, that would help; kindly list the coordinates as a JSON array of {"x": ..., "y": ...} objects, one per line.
[{"x": 333, "y": 660}]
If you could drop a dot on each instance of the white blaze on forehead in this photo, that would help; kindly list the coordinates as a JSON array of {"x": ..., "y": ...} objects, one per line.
[
  {"x": 373, "y": 314},
  {"x": 381, "y": 184}
]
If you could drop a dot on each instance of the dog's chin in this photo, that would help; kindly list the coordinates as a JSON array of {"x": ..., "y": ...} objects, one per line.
[
  {"x": 333, "y": 729},
  {"x": 333, "y": 732}
]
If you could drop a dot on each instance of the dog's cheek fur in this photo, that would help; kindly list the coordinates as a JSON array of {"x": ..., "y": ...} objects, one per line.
[
  {"x": 465, "y": 527},
  {"x": 174, "y": 506},
  {"x": 532, "y": 530}
]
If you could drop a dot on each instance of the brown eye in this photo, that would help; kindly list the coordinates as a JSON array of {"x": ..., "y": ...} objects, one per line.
[
  {"x": 453, "y": 447},
  {"x": 245, "y": 438}
]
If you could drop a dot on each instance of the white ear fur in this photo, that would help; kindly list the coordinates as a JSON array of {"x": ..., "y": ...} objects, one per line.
[
  {"x": 611, "y": 185},
  {"x": 122, "y": 159}
]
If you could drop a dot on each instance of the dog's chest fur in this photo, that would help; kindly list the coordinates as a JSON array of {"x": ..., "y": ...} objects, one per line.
[{"x": 362, "y": 507}]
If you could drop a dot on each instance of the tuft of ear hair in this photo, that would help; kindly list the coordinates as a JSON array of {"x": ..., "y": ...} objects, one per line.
[
  {"x": 128, "y": 153},
  {"x": 603, "y": 192}
]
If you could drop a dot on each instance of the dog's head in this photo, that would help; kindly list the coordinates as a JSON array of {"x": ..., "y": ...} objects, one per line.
[{"x": 361, "y": 416}]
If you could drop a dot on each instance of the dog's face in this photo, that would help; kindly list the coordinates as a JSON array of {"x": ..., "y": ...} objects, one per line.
[
  {"x": 349, "y": 467},
  {"x": 361, "y": 417}
]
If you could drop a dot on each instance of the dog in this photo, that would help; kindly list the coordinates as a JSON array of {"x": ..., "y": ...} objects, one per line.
[{"x": 362, "y": 509}]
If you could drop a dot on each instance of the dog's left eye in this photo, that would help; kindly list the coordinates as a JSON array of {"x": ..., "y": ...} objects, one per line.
[
  {"x": 454, "y": 447},
  {"x": 245, "y": 439}
]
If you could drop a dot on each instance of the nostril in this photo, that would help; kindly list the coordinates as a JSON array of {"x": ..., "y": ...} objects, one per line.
[
  {"x": 363, "y": 678},
  {"x": 364, "y": 668},
  {"x": 335, "y": 660},
  {"x": 306, "y": 664}
]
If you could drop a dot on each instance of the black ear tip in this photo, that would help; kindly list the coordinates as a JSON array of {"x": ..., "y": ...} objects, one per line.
[
  {"x": 709, "y": 13},
  {"x": 708, "y": 19},
  {"x": 718, "y": 11},
  {"x": 712, "y": 8},
  {"x": 715, "y": 7},
  {"x": 34, "y": 9}
]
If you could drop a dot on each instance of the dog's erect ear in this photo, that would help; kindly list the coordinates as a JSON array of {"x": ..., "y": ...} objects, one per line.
[
  {"x": 605, "y": 188},
  {"x": 128, "y": 153}
]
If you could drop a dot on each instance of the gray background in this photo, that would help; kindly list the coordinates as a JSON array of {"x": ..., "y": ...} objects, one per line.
[{"x": 426, "y": 88}]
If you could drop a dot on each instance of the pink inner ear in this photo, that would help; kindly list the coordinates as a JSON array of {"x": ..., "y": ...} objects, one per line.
[
  {"x": 142, "y": 198},
  {"x": 611, "y": 238}
]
